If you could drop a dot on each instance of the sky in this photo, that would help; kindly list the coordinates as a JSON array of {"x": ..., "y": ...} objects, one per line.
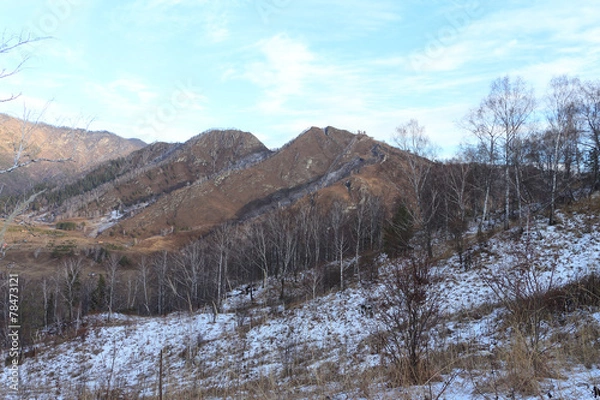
[{"x": 166, "y": 70}]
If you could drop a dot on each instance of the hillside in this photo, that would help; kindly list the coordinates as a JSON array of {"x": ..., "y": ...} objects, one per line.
[
  {"x": 162, "y": 168},
  {"x": 166, "y": 193},
  {"x": 298, "y": 169},
  {"x": 85, "y": 149},
  {"x": 327, "y": 347},
  {"x": 318, "y": 270}
]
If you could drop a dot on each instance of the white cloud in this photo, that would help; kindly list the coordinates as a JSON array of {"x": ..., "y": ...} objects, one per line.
[
  {"x": 121, "y": 94},
  {"x": 166, "y": 20},
  {"x": 357, "y": 16},
  {"x": 283, "y": 71},
  {"x": 508, "y": 35},
  {"x": 216, "y": 27}
]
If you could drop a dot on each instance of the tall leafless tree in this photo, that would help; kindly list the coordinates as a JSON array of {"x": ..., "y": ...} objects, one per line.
[
  {"x": 511, "y": 103},
  {"x": 499, "y": 123},
  {"x": 284, "y": 242},
  {"x": 160, "y": 266},
  {"x": 221, "y": 240},
  {"x": 562, "y": 108},
  {"x": 359, "y": 217},
  {"x": 456, "y": 177},
  {"x": 258, "y": 236},
  {"x": 186, "y": 281},
  {"x": 71, "y": 279},
  {"x": 112, "y": 265},
  {"x": 481, "y": 123},
  {"x": 338, "y": 222},
  {"x": 411, "y": 138},
  {"x": 590, "y": 111},
  {"x": 144, "y": 274}
]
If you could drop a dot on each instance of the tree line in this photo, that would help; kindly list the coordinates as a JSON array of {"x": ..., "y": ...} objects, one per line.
[{"x": 526, "y": 156}]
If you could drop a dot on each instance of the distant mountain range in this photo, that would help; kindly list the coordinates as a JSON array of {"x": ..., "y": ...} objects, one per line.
[
  {"x": 163, "y": 194},
  {"x": 87, "y": 149}
]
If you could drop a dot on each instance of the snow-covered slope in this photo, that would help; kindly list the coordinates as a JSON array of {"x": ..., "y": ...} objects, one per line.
[{"x": 307, "y": 350}]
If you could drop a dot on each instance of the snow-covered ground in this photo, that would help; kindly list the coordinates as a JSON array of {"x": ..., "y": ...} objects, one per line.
[{"x": 330, "y": 334}]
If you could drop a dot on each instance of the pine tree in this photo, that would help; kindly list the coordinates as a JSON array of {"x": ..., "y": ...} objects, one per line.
[
  {"x": 398, "y": 232},
  {"x": 98, "y": 300}
]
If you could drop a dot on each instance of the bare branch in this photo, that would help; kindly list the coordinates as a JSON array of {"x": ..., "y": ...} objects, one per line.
[
  {"x": 24, "y": 152},
  {"x": 36, "y": 160},
  {"x": 9, "y": 44}
]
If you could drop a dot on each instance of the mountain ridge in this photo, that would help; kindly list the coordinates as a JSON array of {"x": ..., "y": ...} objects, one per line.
[
  {"x": 169, "y": 192},
  {"x": 83, "y": 149}
]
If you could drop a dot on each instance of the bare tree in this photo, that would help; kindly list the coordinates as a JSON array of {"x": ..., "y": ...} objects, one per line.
[
  {"x": 185, "y": 282},
  {"x": 54, "y": 297},
  {"x": 315, "y": 243},
  {"x": 25, "y": 150},
  {"x": 160, "y": 266},
  {"x": 358, "y": 229},
  {"x": 410, "y": 313},
  {"x": 284, "y": 242},
  {"x": 71, "y": 284},
  {"x": 304, "y": 221},
  {"x": 480, "y": 122},
  {"x": 411, "y": 138},
  {"x": 375, "y": 217},
  {"x": 456, "y": 177},
  {"x": 498, "y": 123},
  {"x": 222, "y": 242},
  {"x": 512, "y": 104},
  {"x": 590, "y": 110},
  {"x": 46, "y": 297},
  {"x": 260, "y": 248},
  {"x": 562, "y": 107},
  {"x": 112, "y": 265},
  {"x": 144, "y": 276},
  {"x": 338, "y": 221}
]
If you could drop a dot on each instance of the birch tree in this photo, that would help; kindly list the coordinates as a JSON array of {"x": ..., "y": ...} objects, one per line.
[
  {"x": 511, "y": 103},
  {"x": 561, "y": 114},
  {"x": 72, "y": 269},
  {"x": 338, "y": 220},
  {"x": 222, "y": 244},
  {"x": 499, "y": 123},
  {"x": 111, "y": 266},
  {"x": 481, "y": 123},
  {"x": 411, "y": 138},
  {"x": 144, "y": 274},
  {"x": 590, "y": 111}
]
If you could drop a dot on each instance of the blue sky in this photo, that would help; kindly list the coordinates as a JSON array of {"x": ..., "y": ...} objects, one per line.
[{"x": 165, "y": 70}]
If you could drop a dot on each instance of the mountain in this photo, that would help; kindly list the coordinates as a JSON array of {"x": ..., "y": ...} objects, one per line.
[
  {"x": 85, "y": 149},
  {"x": 171, "y": 192},
  {"x": 304, "y": 300}
]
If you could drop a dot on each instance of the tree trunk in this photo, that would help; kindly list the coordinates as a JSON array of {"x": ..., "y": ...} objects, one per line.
[{"x": 506, "y": 196}]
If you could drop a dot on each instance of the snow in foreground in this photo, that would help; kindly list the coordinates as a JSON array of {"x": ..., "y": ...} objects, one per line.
[{"x": 328, "y": 333}]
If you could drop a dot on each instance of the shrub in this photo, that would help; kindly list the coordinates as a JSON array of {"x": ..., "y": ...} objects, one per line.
[{"x": 66, "y": 226}]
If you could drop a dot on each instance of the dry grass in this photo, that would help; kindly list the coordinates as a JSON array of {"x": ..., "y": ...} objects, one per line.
[
  {"x": 580, "y": 345},
  {"x": 514, "y": 368}
]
